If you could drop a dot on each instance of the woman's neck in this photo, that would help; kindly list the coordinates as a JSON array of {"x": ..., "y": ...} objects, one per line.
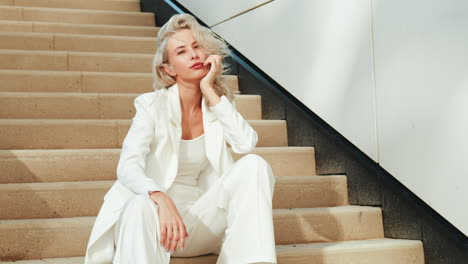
[{"x": 190, "y": 97}]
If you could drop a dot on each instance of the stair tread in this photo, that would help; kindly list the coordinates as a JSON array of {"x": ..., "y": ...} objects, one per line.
[
  {"x": 295, "y": 225},
  {"x": 79, "y": 25},
  {"x": 15, "y": 153},
  {"x": 90, "y": 36},
  {"x": 61, "y": 52},
  {"x": 281, "y": 250},
  {"x": 90, "y": 11},
  {"x": 100, "y": 121},
  {"x": 78, "y": 16},
  {"x": 63, "y": 199},
  {"x": 69, "y": 164},
  {"x": 89, "y": 220},
  {"x": 32, "y": 81},
  {"x": 48, "y": 72},
  {"x": 86, "y": 94},
  {"x": 128, "y": 5},
  {"x": 77, "y": 42},
  {"x": 353, "y": 244},
  {"x": 94, "y": 133},
  {"x": 76, "y": 60},
  {"x": 96, "y": 184}
]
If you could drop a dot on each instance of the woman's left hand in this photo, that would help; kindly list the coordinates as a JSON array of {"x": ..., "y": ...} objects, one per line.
[{"x": 206, "y": 83}]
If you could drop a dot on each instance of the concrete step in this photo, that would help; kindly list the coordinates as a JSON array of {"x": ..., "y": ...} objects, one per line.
[
  {"x": 86, "y": 82},
  {"x": 76, "y": 42},
  {"x": 77, "y": 16},
  {"x": 121, "y": 5},
  {"x": 66, "y": 237},
  {"x": 93, "y": 105},
  {"x": 75, "y": 61},
  {"x": 95, "y": 133},
  {"x": 65, "y": 165},
  {"x": 380, "y": 250},
  {"x": 73, "y": 28},
  {"x": 85, "y": 198}
]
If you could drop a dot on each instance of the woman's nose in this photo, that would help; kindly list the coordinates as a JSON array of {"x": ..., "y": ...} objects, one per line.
[{"x": 193, "y": 53}]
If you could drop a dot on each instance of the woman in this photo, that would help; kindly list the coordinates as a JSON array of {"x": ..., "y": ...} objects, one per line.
[{"x": 179, "y": 192}]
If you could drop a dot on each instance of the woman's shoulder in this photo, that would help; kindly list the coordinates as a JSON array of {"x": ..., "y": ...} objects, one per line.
[{"x": 152, "y": 98}]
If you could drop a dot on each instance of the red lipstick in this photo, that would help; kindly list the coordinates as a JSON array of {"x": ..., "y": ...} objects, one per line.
[{"x": 197, "y": 65}]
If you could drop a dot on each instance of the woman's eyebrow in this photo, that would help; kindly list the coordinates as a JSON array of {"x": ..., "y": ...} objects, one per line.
[{"x": 184, "y": 45}]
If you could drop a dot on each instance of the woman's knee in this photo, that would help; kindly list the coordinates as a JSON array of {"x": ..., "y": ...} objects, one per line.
[
  {"x": 254, "y": 159},
  {"x": 139, "y": 204}
]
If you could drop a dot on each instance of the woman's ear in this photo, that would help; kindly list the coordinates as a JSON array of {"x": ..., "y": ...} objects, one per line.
[{"x": 168, "y": 69}]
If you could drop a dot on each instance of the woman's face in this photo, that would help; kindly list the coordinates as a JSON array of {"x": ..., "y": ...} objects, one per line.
[{"x": 183, "y": 52}]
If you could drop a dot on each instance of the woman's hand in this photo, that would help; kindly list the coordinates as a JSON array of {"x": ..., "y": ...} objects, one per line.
[
  {"x": 171, "y": 223},
  {"x": 213, "y": 62}
]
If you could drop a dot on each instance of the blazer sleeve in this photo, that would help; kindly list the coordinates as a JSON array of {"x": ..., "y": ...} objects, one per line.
[
  {"x": 135, "y": 148},
  {"x": 239, "y": 134}
]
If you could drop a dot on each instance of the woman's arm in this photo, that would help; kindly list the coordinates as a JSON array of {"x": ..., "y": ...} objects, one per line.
[
  {"x": 135, "y": 147},
  {"x": 240, "y": 135},
  {"x": 131, "y": 172}
]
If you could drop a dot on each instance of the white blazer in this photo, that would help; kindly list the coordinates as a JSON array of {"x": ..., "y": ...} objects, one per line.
[{"x": 149, "y": 156}]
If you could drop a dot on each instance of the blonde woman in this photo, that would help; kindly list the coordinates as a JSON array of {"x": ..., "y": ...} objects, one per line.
[{"x": 179, "y": 192}]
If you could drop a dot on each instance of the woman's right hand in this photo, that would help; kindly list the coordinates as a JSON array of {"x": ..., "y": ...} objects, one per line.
[{"x": 171, "y": 223}]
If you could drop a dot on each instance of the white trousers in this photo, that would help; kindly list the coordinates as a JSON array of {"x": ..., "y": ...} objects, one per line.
[{"x": 233, "y": 219}]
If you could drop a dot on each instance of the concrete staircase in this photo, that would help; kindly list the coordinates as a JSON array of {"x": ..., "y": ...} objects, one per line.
[{"x": 69, "y": 71}]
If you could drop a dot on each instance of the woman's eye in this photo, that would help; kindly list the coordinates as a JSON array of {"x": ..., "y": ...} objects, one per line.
[{"x": 180, "y": 52}]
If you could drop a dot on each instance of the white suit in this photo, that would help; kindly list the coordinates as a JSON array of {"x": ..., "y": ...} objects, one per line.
[{"x": 149, "y": 162}]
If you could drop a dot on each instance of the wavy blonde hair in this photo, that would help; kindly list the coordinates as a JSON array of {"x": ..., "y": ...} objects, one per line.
[{"x": 208, "y": 40}]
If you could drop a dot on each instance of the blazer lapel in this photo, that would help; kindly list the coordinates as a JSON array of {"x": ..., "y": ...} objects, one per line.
[
  {"x": 211, "y": 126},
  {"x": 175, "y": 116},
  {"x": 213, "y": 137}
]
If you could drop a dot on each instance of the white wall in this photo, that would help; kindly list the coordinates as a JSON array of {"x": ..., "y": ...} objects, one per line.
[
  {"x": 212, "y": 12},
  {"x": 391, "y": 76},
  {"x": 421, "y": 69},
  {"x": 326, "y": 60}
]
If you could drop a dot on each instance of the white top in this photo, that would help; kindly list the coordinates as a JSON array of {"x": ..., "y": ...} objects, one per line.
[{"x": 192, "y": 160}]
